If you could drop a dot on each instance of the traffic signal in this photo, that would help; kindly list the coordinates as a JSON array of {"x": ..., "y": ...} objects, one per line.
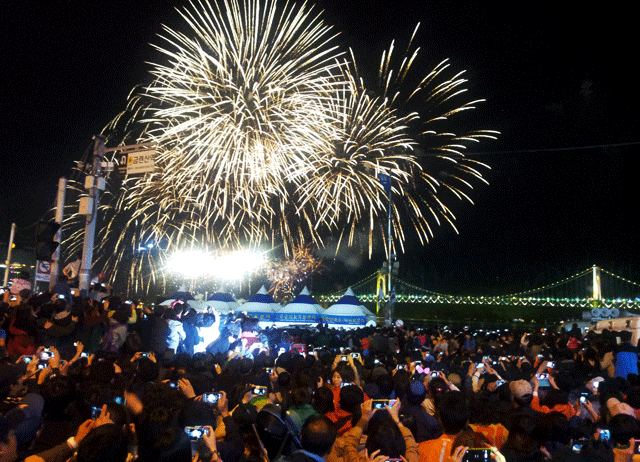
[{"x": 45, "y": 245}]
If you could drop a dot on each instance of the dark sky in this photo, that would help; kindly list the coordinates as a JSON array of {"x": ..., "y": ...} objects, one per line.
[{"x": 555, "y": 80}]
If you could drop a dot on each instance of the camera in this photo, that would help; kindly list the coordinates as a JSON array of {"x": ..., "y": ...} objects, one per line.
[
  {"x": 211, "y": 398},
  {"x": 379, "y": 403},
  {"x": 259, "y": 390},
  {"x": 579, "y": 444},
  {"x": 434, "y": 374},
  {"x": 195, "y": 433},
  {"x": 174, "y": 384},
  {"x": 474, "y": 454}
]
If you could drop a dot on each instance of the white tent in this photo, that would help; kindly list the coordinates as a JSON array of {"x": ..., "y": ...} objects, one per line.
[
  {"x": 348, "y": 312},
  {"x": 302, "y": 310},
  {"x": 262, "y": 306}
]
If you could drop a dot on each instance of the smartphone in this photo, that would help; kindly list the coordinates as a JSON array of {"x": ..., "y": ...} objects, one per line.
[
  {"x": 95, "y": 412},
  {"x": 605, "y": 434},
  {"x": 345, "y": 384},
  {"x": 355, "y": 355},
  {"x": 551, "y": 364},
  {"x": 119, "y": 400},
  {"x": 433, "y": 374},
  {"x": 543, "y": 380},
  {"x": 376, "y": 361},
  {"x": 42, "y": 364},
  {"x": 596, "y": 385},
  {"x": 583, "y": 400},
  {"x": 344, "y": 358},
  {"x": 540, "y": 356},
  {"x": 174, "y": 384},
  {"x": 211, "y": 398},
  {"x": 195, "y": 433},
  {"x": 14, "y": 298},
  {"x": 27, "y": 359},
  {"x": 579, "y": 444},
  {"x": 268, "y": 370},
  {"x": 499, "y": 383},
  {"x": 144, "y": 355},
  {"x": 477, "y": 454},
  {"x": 401, "y": 367},
  {"x": 61, "y": 297},
  {"x": 84, "y": 354},
  {"x": 479, "y": 366},
  {"x": 259, "y": 390},
  {"x": 379, "y": 403}
]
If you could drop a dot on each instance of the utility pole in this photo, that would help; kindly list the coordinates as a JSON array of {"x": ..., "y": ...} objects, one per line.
[
  {"x": 9, "y": 249},
  {"x": 55, "y": 265},
  {"x": 94, "y": 183}
]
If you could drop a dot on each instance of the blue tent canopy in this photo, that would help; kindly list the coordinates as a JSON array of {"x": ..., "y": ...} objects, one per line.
[{"x": 182, "y": 295}]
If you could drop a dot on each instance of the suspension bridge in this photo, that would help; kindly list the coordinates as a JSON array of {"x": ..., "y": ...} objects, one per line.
[{"x": 592, "y": 289}]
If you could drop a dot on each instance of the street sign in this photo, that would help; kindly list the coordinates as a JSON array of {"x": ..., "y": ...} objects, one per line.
[
  {"x": 141, "y": 162},
  {"x": 43, "y": 271}
]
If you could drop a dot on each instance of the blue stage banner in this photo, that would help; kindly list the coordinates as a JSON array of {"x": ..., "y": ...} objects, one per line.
[{"x": 348, "y": 320}]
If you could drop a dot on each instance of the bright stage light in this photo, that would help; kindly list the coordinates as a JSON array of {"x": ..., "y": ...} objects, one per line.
[{"x": 229, "y": 267}]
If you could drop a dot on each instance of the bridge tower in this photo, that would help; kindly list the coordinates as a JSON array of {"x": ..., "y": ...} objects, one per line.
[{"x": 597, "y": 290}]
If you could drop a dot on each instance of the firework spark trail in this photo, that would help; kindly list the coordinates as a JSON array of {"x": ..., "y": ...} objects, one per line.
[{"x": 265, "y": 131}]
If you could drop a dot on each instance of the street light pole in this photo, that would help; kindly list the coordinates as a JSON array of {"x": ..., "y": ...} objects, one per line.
[
  {"x": 55, "y": 265},
  {"x": 94, "y": 183},
  {"x": 9, "y": 250}
]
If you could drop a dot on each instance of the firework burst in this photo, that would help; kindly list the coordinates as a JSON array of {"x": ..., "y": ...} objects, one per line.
[{"x": 265, "y": 131}]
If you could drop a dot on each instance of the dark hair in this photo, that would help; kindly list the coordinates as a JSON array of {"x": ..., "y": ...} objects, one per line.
[
  {"x": 385, "y": 435},
  {"x": 556, "y": 427},
  {"x": 106, "y": 443},
  {"x": 623, "y": 428},
  {"x": 318, "y": 435},
  {"x": 351, "y": 397},
  {"x": 323, "y": 400},
  {"x": 300, "y": 396},
  {"x": 454, "y": 412}
]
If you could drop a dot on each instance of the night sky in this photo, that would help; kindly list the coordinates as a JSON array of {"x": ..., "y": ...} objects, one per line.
[{"x": 561, "y": 86}]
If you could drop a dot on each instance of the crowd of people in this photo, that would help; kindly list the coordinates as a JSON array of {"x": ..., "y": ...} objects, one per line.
[{"x": 109, "y": 380}]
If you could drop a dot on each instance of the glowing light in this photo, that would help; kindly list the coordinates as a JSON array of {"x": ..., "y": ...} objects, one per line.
[{"x": 196, "y": 264}]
